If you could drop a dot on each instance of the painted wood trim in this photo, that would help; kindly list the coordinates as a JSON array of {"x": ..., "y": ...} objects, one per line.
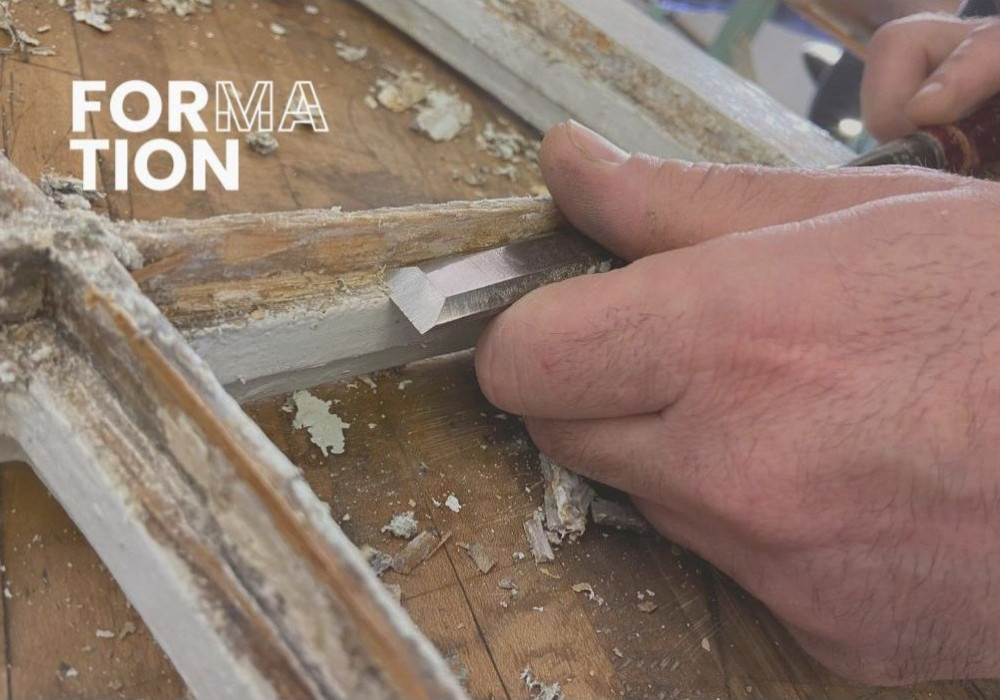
[
  {"x": 238, "y": 568},
  {"x": 616, "y": 69}
]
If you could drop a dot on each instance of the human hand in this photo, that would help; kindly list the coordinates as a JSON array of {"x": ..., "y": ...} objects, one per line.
[
  {"x": 928, "y": 69},
  {"x": 797, "y": 377}
]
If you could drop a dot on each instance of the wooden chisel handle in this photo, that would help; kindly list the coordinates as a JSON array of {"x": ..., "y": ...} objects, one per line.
[{"x": 969, "y": 146}]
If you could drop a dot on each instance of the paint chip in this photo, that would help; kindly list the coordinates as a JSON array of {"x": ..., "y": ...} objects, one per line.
[
  {"x": 351, "y": 54},
  {"x": 442, "y": 116},
  {"x": 326, "y": 430},
  {"x": 402, "y": 525}
]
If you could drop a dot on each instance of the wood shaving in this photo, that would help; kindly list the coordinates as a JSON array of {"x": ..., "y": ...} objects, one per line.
[
  {"x": 647, "y": 606},
  {"x": 414, "y": 553},
  {"x": 402, "y": 525},
  {"x": 567, "y": 498},
  {"x": 21, "y": 43},
  {"x": 538, "y": 543},
  {"x": 477, "y": 552},
  {"x": 589, "y": 590}
]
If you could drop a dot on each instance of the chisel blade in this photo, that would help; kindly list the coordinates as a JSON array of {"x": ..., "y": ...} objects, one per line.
[{"x": 448, "y": 290}]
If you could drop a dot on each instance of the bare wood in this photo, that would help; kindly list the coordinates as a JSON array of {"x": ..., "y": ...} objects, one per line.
[
  {"x": 616, "y": 69},
  {"x": 240, "y": 247}
]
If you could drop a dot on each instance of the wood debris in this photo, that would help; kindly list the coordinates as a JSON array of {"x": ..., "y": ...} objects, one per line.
[
  {"x": 181, "y": 8},
  {"x": 539, "y": 690},
  {"x": 442, "y": 116},
  {"x": 128, "y": 629},
  {"x": 402, "y": 525},
  {"x": 402, "y": 93},
  {"x": 21, "y": 43},
  {"x": 452, "y": 503},
  {"x": 326, "y": 430},
  {"x": 415, "y": 552},
  {"x": 508, "y": 145},
  {"x": 617, "y": 515},
  {"x": 477, "y": 552},
  {"x": 567, "y": 498},
  {"x": 262, "y": 142},
  {"x": 376, "y": 558},
  {"x": 647, "y": 606},
  {"x": 589, "y": 590},
  {"x": 351, "y": 54},
  {"x": 93, "y": 13},
  {"x": 507, "y": 584},
  {"x": 538, "y": 543},
  {"x": 67, "y": 191}
]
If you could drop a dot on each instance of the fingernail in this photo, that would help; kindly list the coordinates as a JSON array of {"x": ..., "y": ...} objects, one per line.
[
  {"x": 929, "y": 90},
  {"x": 593, "y": 146}
]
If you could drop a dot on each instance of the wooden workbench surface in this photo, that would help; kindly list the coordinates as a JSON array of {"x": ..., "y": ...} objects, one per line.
[{"x": 417, "y": 434}]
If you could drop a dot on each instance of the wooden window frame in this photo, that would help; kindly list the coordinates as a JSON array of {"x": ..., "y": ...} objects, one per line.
[{"x": 124, "y": 347}]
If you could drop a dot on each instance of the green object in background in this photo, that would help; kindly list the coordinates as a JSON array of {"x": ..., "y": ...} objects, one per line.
[{"x": 744, "y": 21}]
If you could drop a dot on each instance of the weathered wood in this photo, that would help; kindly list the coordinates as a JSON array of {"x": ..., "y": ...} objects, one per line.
[
  {"x": 616, "y": 69},
  {"x": 241, "y": 247},
  {"x": 281, "y": 301},
  {"x": 237, "y": 568}
]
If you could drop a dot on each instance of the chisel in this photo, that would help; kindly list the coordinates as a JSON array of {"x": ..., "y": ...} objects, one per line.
[
  {"x": 969, "y": 146},
  {"x": 470, "y": 286}
]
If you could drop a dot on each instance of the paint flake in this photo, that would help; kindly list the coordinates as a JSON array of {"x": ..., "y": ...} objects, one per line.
[
  {"x": 402, "y": 525},
  {"x": 326, "y": 430}
]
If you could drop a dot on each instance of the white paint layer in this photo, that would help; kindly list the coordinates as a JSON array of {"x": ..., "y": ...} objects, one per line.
[{"x": 326, "y": 430}]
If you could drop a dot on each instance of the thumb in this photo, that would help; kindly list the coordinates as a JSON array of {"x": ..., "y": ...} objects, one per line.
[
  {"x": 639, "y": 205},
  {"x": 968, "y": 77}
]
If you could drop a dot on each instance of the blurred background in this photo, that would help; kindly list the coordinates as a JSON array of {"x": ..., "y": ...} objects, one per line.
[{"x": 807, "y": 53}]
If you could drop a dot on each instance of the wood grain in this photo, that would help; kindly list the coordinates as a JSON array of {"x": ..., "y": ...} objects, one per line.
[
  {"x": 485, "y": 458},
  {"x": 372, "y": 160},
  {"x": 62, "y": 596}
]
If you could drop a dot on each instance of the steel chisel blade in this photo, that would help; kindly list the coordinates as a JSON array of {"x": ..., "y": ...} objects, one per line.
[{"x": 448, "y": 290}]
